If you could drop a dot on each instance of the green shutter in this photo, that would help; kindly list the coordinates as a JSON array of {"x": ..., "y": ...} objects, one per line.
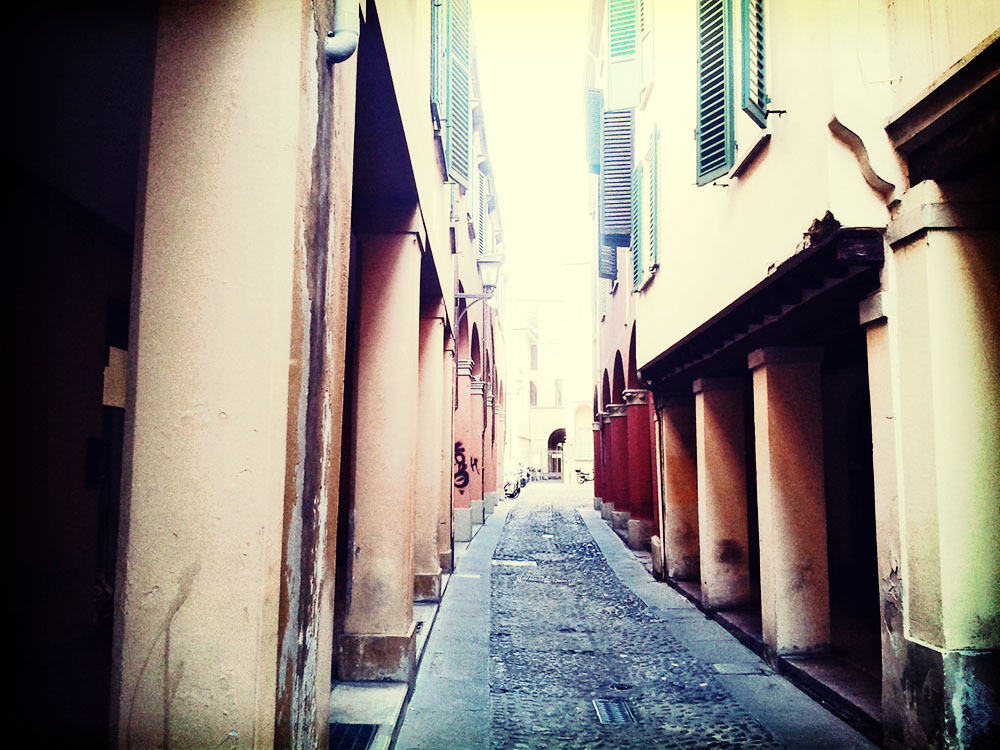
[
  {"x": 439, "y": 58},
  {"x": 754, "y": 97},
  {"x": 458, "y": 136},
  {"x": 635, "y": 245},
  {"x": 616, "y": 173},
  {"x": 621, "y": 28},
  {"x": 654, "y": 219},
  {"x": 715, "y": 143},
  {"x": 623, "y": 54}
]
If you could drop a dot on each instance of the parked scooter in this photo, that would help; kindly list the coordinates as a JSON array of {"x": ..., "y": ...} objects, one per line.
[
  {"x": 584, "y": 476},
  {"x": 512, "y": 489}
]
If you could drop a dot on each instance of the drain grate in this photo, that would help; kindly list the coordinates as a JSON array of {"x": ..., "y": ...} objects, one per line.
[
  {"x": 743, "y": 668},
  {"x": 351, "y": 736},
  {"x": 613, "y": 711}
]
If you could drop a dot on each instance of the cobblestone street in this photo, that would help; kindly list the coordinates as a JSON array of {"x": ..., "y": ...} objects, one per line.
[{"x": 574, "y": 619}]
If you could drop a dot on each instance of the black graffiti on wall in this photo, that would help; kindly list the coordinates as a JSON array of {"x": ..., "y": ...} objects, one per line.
[{"x": 462, "y": 472}]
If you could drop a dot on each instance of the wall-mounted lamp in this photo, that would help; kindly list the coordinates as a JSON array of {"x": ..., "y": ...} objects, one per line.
[{"x": 489, "y": 274}]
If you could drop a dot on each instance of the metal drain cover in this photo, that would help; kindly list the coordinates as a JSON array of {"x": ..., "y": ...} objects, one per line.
[
  {"x": 351, "y": 736},
  {"x": 515, "y": 563},
  {"x": 613, "y": 711}
]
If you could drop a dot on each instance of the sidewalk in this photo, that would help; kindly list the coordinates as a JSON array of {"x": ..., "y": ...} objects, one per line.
[{"x": 577, "y": 618}]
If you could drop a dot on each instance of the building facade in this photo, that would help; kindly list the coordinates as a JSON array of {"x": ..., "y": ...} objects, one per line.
[
  {"x": 252, "y": 244},
  {"x": 798, "y": 281}
]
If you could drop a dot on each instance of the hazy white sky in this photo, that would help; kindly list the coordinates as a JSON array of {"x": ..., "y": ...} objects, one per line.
[{"x": 531, "y": 67}]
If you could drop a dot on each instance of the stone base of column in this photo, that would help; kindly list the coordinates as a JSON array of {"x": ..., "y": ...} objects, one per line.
[
  {"x": 606, "y": 510},
  {"x": 656, "y": 550},
  {"x": 477, "y": 512},
  {"x": 463, "y": 524},
  {"x": 427, "y": 587},
  {"x": 377, "y": 657},
  {"x": 619, "y": 519},
  {"x": 639, "y": 533},
  {"x": 490, "y": 503},
  {"x": 447, "y": 563},
  {"x": 597, "y": 503}
]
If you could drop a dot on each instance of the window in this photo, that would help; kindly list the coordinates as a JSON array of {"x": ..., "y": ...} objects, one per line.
[
  {"x": 595, "y": 107},
  {"x": 635, "y": 242},
  {"x": 532, "y": 394},
  {"x": 715, "y": 142},
  {"x": 755, "y": 98},
  {"x": 558, "y": 393},
  {"x": 584, "y": 444}
]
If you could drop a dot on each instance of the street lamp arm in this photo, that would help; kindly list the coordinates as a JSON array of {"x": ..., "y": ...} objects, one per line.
[{"x": 461, "y": 314}]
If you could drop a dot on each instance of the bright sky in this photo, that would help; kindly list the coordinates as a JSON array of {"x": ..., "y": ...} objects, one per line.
[{"x": 531, "y": 67}]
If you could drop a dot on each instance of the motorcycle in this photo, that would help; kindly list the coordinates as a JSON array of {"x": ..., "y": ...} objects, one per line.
[
  {"x": 584, "y": 476},
  {"x": 512, "y": 490}
]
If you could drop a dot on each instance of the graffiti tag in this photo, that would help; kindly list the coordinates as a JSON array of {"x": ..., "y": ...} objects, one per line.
[{"x": 462, "y": 473}]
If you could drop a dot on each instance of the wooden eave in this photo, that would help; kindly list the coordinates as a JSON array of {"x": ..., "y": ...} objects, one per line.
[{"x": 813, "y": 294}]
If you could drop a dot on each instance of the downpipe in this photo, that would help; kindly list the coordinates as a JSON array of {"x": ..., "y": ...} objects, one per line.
[{"x": 341, "y": 43}]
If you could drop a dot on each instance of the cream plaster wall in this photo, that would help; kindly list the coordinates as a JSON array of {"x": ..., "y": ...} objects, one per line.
[{"x": 758, "y": 219}]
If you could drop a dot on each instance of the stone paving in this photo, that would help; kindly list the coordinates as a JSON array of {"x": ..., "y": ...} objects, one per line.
[
  {"x": 565, "y": 631},
  {"x": 547, "y": 611}
]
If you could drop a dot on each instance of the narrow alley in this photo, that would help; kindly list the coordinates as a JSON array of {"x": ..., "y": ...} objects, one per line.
[{"x": 552, "y": 634}]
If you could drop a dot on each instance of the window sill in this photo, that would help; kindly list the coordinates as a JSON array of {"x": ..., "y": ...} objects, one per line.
[
  {"x": 752, "y": 155},
  {"x": 648, "y": 279}
]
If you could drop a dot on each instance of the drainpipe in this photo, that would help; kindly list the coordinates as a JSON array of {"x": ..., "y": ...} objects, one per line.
[{"x": 341, "y": 44}]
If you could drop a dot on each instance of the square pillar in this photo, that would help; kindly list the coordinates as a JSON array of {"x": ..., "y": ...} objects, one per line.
[
  {"x": 461, "y": 494},
  {"x": 426, "y": 563},
  {"x": 791, "y": 502},
  {"x": 379, "y": 642},
  {"x": 445, "y": 531},
  {"x": 474, "y": 452},
  {"x": 640, "y": 468},
  {"x": 680, "y": 482},
  {"x": 598, "y": 463},
  {"x": 618, "y": 414},
  {"x": 722, "y": 492}
]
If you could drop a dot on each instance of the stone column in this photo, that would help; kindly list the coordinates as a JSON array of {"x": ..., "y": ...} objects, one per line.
[
  {"x": 447, "y": 446},
  {"x": 620, "y": 514},
  {"x": 598, "y": 465},
  {"x": 427, "y": 501},
  {"x": 461, "y": 472},
  {"x": 640, "y": 469},
  {"x": 722, "y": 492},
  {"x": 788, "y": 435},
  {"x": 474, "y": 451},
  {"x": 379, "y": 641},
  {"x": 680, "y": 482}
]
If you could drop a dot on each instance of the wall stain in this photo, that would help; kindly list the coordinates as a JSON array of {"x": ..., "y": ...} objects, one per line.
[{"x": 170, "y": 683}]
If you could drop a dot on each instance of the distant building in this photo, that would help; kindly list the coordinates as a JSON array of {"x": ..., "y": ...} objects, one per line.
[
  {"x": 251, "y": 354},
  {"x": 796, "y": 387}
]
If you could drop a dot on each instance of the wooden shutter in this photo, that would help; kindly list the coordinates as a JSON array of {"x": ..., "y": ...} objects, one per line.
[
  {"x": 653, "y": 207},
  {"x": 458, "y": 134},
  {"x": 616, "y": 173},
  {"x": 715, "y": 145},
  {"x": 635, "y": 245},
  {"x": 754, "y": 97},
  {"x": 481, "y": 213},
  {"x": 623, "y": 54}
]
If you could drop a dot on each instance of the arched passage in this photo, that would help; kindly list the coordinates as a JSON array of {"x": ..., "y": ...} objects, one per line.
[
  {"x": 618, "y": 384},
  {"x": 556, "y": 442}
]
